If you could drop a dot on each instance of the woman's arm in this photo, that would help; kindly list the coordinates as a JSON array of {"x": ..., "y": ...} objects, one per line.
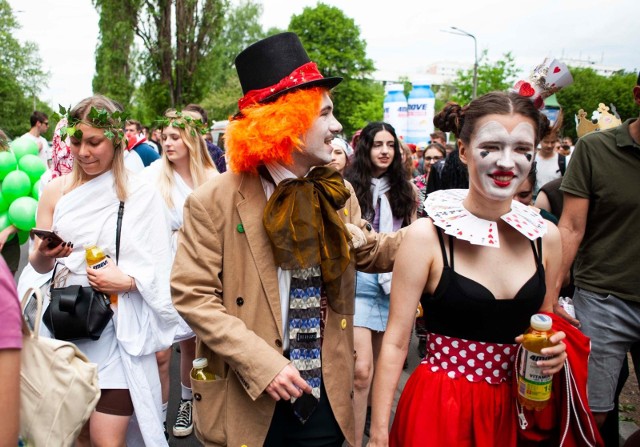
[
  {"x": 10, "y": 396},
  {"x": 408, "y": 283},
  {"x": 551, "y": 259},
  {"x": 42, "y": 258}
]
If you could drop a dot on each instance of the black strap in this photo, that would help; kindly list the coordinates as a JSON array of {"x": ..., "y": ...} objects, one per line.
[
  {"x": 444, "y": 252},
  {"x": 562, "y": 164},
  {"x": 118, "y": 230}
]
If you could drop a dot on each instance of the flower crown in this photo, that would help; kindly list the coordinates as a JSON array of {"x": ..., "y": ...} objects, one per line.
[
  {"x": 182, "y": 121},
  {"x": 111, "y": 123}
]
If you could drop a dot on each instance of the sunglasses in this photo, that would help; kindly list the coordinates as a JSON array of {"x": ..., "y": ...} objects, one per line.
[{"x": 433, "y": 158}]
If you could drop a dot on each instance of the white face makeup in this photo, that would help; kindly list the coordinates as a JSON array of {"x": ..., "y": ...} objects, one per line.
[{"x": 502, "y": 150}]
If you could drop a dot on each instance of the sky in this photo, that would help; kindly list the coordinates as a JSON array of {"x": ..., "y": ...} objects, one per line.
[{"x": 403, "y": 36}]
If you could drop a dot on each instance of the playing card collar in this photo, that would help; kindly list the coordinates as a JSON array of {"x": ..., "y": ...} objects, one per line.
[{"x": 447, "y": 211}]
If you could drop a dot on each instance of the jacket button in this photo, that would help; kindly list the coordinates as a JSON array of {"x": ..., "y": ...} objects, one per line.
[
  {"x": 279, "y": 343},
  {"x": 197, "y": 396},
  {"x": 368, "y": 227},
  {"x": 239, "y": 301}
]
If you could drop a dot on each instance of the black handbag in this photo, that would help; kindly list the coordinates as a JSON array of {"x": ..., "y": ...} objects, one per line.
[{"x": 77, "y": 312}]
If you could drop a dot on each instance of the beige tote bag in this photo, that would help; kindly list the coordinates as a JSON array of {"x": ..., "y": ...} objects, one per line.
[{"x": 58, "y": 386}]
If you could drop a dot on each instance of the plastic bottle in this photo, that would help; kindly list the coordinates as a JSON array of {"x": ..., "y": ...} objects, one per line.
[
  {"x": 97, "y": 259},
  {"x": 395, "y": 109},
  {"x": 534, "y": 387},
  {"x": 421, "y": 109},
  {"x": 201, "y": 370}
]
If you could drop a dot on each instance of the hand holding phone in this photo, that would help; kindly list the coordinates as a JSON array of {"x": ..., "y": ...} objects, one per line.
[{"x": 48, "y": 237}]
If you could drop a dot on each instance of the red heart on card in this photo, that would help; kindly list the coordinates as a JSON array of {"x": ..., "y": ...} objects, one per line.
[
  {"x": 556, "y": 70},
  {"x": 526, "y": 90}
]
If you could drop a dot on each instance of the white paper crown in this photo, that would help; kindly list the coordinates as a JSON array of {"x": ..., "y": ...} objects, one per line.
[
  {"x": 545, "y": 80},
  {"x": 601, "y": 119}
]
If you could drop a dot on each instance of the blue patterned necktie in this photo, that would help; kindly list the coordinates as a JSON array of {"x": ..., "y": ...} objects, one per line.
[{"x": 305, "y": 338}]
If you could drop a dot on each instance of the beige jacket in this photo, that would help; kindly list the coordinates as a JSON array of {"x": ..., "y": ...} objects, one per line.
[{"x": 225, "y": 285}]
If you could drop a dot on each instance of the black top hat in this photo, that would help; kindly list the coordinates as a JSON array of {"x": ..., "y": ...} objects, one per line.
[{"x": 267, "y": 62}]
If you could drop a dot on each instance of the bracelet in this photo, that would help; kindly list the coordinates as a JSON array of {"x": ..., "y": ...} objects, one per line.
[{"x": 130, "y": 285}]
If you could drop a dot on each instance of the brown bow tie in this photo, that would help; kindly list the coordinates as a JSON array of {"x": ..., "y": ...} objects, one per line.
[{"x": 305, "y": 229}]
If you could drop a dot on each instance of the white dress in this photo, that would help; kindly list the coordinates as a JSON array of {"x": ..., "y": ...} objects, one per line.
[{"x": 144, "y": 321}]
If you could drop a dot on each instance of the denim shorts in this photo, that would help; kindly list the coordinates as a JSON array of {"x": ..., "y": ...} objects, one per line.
[
  {"x": 613, "y": 325},
  {"x": 372, "y": 304}
]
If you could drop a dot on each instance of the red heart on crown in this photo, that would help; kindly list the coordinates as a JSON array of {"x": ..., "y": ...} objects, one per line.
[
  {"x": 526, "y": 90},
  {"x": 556, "y": 70}
]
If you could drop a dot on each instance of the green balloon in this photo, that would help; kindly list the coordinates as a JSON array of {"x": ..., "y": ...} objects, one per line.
[
  {"x": 24, "y": 145},
  {"x": 15, "y": 184},
  {"x": 23, "y": 236},
  {"x": 8, "y": 163},
  {"x": 33, "y": 166},
  {"x": 4, "y": 205},
  {"x": 35, "y": 192},
  {"x": 22, "y": 213},
  {"x": 4, "y": 221}
]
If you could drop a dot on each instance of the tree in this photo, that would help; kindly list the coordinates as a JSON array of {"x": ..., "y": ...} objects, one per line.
[
  {"x": 241, "y": 28},
  {"x": 333, "y": 41},
  {"x": 589, "y": 89},
  {"x": 20, "y": 76},
  {"x": 179, "y": 62},
  {"x": 114, "y": 75},
  {"x": 499, "y": 75}
]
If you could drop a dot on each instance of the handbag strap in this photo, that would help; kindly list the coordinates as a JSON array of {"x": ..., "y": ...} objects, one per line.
[
  {"x": 119, "y": 230},
  {"x": 26, "y": 330}
]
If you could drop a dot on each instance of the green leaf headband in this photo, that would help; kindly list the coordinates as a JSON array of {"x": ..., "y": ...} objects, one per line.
[
  {"x": 112, "y": 123},
  {"x": 181, "y": 121}
]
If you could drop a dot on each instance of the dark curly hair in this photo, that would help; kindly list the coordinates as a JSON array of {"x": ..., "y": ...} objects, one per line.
[
  {"x": 462, "y": 120},
  {"x": 359, "y": 173}
]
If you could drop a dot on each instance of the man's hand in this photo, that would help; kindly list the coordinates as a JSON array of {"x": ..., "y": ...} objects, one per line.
[
  {"x": 287, "y": 384},
  {"x": 559, "y": 310}
]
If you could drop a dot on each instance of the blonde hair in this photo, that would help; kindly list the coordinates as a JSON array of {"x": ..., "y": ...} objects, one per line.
[
  {"x": 199, "y": 158},
  {"x": 81, "y": 112}
]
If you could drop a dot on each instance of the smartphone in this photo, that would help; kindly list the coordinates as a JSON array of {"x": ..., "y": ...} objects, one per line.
[{"x": 49, "y": 237}]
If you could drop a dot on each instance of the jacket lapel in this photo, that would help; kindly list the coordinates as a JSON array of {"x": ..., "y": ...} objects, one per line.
[{"x": 250, "y": 209}]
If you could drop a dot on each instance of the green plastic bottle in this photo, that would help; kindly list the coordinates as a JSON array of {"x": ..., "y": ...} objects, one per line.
[{"x": 201, "y": 370}]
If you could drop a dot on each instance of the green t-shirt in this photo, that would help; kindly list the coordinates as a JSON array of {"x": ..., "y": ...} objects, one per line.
[{"x": 605, "y": 168}]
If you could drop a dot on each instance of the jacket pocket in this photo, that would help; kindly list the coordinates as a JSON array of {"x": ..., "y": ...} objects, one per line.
[{"x": 210, "y": 410}]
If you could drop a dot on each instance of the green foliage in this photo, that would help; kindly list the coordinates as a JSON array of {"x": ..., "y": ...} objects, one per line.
[
  {"x": 333, "y": 41},
  {"x": 492, "y": 76},
  {"x": 240, "y": 29},
  {"x": 114, "y": 75},
  {"x": 21, "y": 76},
  {"x": 589, "y": 89}
]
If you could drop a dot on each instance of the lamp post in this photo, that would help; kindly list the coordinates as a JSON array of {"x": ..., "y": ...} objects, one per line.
[{"x": 461, "y": 32}]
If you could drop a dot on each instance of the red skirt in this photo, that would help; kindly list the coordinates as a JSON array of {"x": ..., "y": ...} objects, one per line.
[{"x": 436, "y": 410}]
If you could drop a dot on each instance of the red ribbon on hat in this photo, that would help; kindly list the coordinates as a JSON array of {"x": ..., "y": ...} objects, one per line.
[{"x": 301, "y": 75}]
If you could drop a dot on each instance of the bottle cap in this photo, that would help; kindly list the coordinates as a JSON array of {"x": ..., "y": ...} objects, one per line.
[
  {"x": 200, "y": 362},
  {"x": 541, "y": 322}
]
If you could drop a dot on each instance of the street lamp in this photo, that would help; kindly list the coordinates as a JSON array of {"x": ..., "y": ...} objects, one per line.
[{"x": 460, "y": 32}]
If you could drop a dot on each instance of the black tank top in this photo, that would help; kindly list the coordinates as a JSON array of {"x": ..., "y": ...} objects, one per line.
[{"x": 463, "y": 308}]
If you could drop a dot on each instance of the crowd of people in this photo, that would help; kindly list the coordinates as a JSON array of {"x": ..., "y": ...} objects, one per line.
[{"x": 297, "y": 273}]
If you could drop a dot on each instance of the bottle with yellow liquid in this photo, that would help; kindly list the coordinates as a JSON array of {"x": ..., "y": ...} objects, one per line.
[
  {"x": 97, "y": 259},
  {"x": 201, "y": 370},
  {"x": 534, "y": 387}
]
